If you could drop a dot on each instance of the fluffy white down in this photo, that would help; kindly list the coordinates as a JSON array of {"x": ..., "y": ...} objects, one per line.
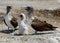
[{"x": 24, "y": 28}]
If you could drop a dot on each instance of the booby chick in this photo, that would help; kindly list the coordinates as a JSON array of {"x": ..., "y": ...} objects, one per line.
[
  {"x": 9, "y": 20},
  {"x": 42, "y": 25},
  {"x": 24, "y": 27}
]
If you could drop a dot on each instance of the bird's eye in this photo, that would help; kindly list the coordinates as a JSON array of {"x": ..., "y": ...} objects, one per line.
[{"x": 21, "y": 15}]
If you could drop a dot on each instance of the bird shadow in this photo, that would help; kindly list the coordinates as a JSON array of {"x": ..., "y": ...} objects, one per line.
[
  {"x": 42, "y": 33},
  {"x": 11, "y": 31},
  {"x": 6, "y": 31},
  {"x": 34, "y": 34}
]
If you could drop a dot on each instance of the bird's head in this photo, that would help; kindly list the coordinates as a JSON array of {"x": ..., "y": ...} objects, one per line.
[
  {"x": 22, "y": 16},
  {"x": 8, "y": 8},
  {"x": 29, "y": 9}
]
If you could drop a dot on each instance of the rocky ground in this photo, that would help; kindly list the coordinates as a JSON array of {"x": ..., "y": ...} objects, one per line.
[{"x": 41, "y": 37}]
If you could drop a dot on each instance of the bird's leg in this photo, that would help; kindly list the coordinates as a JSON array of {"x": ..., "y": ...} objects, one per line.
[
  {"x": 8, "y": 30},
  {"x": 35, "y": 32},
  {"x": 15, "y": 29},
  {"x": 12, "y": 33}
]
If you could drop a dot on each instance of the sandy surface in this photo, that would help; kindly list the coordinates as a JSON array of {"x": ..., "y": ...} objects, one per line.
[{"x": 42, "y": 37}]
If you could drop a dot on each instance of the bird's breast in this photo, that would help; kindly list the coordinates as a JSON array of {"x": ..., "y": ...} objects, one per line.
[
  {"x": 24, "y": 25},
  {"x": 8, "y": 17},
  {"x": 7, "y": 20}
]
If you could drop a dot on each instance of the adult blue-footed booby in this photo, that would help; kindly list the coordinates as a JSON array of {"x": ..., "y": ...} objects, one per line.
[
  {"x": 37, "y": 24},
  {"x": 9, "y": 20},
  {"x": 42, "y": 25},
  {"x": 30, "y": 13},
  {"x": 24, "y": 27}
]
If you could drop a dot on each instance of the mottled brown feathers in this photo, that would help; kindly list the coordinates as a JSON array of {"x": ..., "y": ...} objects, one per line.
[
  {"x": 41, "y": 25},
  {"x": 14, "y": 22}
]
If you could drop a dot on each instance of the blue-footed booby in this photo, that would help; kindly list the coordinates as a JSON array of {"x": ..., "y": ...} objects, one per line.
[
  {"x": 42, "y": 25},
  {"x": 9, "y": 20},
  {"x": 37, "y": 24},
  {"x": 30, "y": 13}
]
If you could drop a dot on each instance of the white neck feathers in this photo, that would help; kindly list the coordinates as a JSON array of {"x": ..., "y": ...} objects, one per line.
[{"x": 24, "y": 17}]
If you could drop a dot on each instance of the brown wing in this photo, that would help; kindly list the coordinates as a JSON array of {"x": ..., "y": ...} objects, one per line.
[
  {"x": 38, "y": 23},
  {"x": 41, "y": 25},
  {"x": 14, "y": 22}
]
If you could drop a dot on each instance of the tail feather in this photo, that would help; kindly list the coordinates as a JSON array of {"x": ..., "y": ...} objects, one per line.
[{"x": 54, "y": 27}]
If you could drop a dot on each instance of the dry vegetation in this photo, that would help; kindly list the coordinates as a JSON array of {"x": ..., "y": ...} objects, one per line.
[{"x": 42, "y": 15}]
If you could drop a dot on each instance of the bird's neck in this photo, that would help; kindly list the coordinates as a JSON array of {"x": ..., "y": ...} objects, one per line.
[
  {"x": 24, "y": 17},
  {"x": 30, "y": 14},
  {"x": 8, "y": 11},
  {"x": 9, "y": 14}
]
